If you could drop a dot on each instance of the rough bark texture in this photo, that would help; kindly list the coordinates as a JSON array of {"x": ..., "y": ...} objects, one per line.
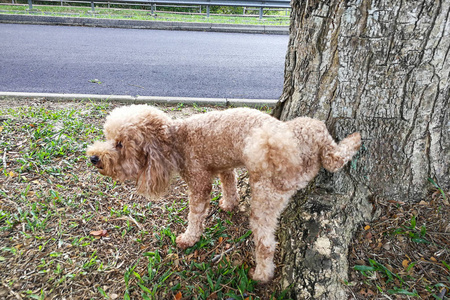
[{"x": 380, "y": 68}]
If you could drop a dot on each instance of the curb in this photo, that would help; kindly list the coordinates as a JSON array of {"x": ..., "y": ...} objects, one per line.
[
  {"x": 142, "y": 99},
  {"x": 138, "y": 24}
]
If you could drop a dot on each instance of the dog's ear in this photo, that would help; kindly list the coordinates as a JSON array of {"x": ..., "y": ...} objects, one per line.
[
  {"x": 158, "y": 156},
  {"x": 154, "y": 178}
]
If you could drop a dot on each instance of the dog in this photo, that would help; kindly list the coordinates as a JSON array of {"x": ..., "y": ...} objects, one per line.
[{"x": 145, "y": 145}]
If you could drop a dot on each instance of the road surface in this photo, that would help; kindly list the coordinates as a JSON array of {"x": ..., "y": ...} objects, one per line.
[{"x": 62, "y": 59}]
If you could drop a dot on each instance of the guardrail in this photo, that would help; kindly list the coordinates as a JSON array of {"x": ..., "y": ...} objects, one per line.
[{"x": 261, "y": 4}]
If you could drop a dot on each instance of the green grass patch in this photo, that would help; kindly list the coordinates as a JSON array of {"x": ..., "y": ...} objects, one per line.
[
  {"x": 65, "y": 229},
  {"x": 279, "y": 18}
]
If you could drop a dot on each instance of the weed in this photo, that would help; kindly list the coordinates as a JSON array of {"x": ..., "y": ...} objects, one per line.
[
  {"x": 95, "y": 81},
  {"x": 199, "y": 108},
  {"x": 439, "y": 189},
  {"x": 411, "y": 231},
  {"x": 375, "y": 268},
  {"x": 166, "y": 232}
]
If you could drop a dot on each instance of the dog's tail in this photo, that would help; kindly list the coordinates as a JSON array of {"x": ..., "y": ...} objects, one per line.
[{"x": 335, "y": 156}]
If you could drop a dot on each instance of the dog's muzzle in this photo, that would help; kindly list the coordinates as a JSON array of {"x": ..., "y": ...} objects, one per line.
[{"x": 95, "y": 159}]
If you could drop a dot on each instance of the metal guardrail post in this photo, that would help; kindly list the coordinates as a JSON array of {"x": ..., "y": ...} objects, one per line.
[
  {"x": 30, "y": 5},
  {"x": 207, "y": 11},
  {"x": 260, "y": 13},
  {"x": 152, "y": 9},
  {"x": 92, "y": 6}
]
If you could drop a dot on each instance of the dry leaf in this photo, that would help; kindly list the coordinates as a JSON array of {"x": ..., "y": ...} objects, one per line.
[
  {"x": 178, "y": 296},
  {"x": 370, "y": 292},
  {"x": 220, "y": 240},
  {"x": 405, "y": 263},
  {"x": 172, "y": 256},
  {"x": 396, "y": 202},
  {"x": 378, "y": 247},
  {"x": 212, "y": 296},
  {"x": 433, "y": 259},
  {"x": 99, "y": 233}
]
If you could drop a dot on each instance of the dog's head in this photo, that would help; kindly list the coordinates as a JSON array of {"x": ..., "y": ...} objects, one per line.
[{"x": 138, "y": 147}]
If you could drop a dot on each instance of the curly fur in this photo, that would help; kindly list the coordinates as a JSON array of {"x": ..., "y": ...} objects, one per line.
[{"x": 145, "y": 145}]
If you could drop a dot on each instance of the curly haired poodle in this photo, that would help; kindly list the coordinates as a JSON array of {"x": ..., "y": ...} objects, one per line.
[{"x": 145, "y": 145}]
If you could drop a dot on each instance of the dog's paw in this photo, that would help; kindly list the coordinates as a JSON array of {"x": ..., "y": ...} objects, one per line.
[
  {"x": 259, "y": 275},
  {"x": 226, "y": 205},
  {"x": 184, "y": 242}
]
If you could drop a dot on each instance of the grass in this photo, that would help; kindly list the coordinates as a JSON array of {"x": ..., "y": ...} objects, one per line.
[
  {"x": 66, "y": 230},
  {"x": 279, "y": 19}
]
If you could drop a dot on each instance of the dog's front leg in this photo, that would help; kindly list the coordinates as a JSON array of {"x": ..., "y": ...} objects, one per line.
[{"x": 199, "y": 198}]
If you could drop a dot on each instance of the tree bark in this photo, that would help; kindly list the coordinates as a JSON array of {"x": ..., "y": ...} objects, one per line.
[{"x": 381, "y": 68}]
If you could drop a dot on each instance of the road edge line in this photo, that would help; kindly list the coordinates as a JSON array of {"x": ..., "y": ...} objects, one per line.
[{"x": 127, "y": 99}]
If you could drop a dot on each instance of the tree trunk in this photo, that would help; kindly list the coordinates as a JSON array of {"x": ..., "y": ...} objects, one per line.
[{"x": 380, "y": 68}]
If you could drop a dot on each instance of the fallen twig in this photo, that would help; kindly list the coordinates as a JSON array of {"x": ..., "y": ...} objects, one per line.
[
  {"x": 218, "y": 257},
  {"x": 4, "y": 159},
  {"x": 11, "y": 291},
  {"x": 129, "y": 218}
]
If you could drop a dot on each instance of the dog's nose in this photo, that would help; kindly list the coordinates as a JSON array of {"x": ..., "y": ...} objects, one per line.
[{"x": 95, "y": 159}]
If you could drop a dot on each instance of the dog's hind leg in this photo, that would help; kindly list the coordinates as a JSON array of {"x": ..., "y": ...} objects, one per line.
[
  {"x": 199, "y": 198},
  {"x": 335, "y": 156},
  {"x": 230, "y": 197},
  {"x": 266, "y": 206}
]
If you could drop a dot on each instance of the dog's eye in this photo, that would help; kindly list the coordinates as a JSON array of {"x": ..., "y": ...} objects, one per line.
[{"x": 119, "y": 145}]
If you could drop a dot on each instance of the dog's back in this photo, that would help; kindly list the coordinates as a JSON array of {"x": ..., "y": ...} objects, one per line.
[
  {"x": 217, "y": 139},
  {"x": 267, "y": 147},
  {"x": 289, "y": 153}
]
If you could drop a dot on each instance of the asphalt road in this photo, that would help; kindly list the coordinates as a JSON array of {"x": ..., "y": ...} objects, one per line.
[{"x": 61, "y": 59}]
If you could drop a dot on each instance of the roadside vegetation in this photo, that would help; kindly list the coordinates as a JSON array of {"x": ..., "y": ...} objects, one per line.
[
  {"x": 219, "y": 14},
  {"x": 68, "y": 232}
]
